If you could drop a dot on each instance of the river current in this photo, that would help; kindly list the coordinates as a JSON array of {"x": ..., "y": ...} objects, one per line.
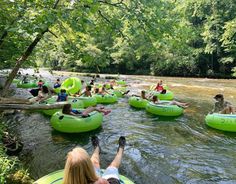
[{"x": 159, "y": 150}]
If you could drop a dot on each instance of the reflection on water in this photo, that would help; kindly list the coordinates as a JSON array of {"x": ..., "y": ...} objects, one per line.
[{"x": 159, "y": 150}]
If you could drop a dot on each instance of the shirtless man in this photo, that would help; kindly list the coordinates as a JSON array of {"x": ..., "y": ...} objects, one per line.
[{"x": 222, "y": 106}]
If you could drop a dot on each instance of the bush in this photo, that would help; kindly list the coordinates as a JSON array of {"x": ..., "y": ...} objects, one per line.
[{"x": 11, "y": 170}]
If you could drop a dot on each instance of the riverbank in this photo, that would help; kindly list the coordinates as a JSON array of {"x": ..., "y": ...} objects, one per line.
[{"x": 11, "y": 168}]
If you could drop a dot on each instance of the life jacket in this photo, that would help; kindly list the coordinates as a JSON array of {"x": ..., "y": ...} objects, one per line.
[{"x": 62, "y": 97}]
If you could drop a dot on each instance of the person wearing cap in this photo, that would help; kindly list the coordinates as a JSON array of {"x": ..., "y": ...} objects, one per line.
[{"x": 222, "y": 106}]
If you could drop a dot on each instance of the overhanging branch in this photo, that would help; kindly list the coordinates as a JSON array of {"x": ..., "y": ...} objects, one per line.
[
  {"x": 52, "y": 33},
  {"x": 113, "y": 26},
  {"x": 113, "y": 4}
]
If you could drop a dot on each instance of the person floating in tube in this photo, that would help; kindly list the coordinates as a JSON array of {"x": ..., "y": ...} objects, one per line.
[
  {"x": 221, "y": 106},
  {"x": 80, "y": 168}
]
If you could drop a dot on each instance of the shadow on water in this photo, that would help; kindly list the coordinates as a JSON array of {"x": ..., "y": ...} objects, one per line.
[
  {"x": 160, "y": 150},
  {"x": 80, "y": 138}
]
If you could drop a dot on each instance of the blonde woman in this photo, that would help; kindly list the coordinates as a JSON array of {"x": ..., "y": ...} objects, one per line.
[{"x": 81, "y": 169}]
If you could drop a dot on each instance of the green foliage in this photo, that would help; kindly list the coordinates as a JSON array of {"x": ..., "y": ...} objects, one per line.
[
  {"x": 11, "y": 170},
  {"x": 191, "y": 37}
]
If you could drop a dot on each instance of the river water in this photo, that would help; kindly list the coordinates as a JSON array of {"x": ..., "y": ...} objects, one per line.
[{"x": 159, "y": 150}]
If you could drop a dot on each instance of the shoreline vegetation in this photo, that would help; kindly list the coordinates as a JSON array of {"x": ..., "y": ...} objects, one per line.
[
  {"x": 11, "y": 168},
  {"x": 116, "y": 76},
  {"x": 109, "y": 75}
]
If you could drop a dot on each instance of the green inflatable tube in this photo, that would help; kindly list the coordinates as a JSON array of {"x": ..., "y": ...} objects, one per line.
[
  {"x": 75, "y": 103},
  {"x": 57, "y": 90},
  {"x": 30, "y": 84},
  {"x": 57, "y": 178},
  {"x": 118, "y": 93},
  {"x": 76, "y": 124},
  {"x": 72, "y": 85},
  {"x": 137, "y": 102},
  {"x": 164, "y": 110},
  {"x": 167, "y": 96},
  {"x": 105, "y": 99},
  {"x": 98, "y": 85},
  {"x": 121, "y": 82},
  {"x": 87, "y": 101},
  {"x": 107, "y": 86},
  {"x": 45, "y": 83},
  {"x": 225, "y": 122},
  {"x": 15, "y": 81},
  {"x": 119, "y": 88}
]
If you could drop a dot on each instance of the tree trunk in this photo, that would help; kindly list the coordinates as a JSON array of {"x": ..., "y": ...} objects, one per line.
[
  {"x": 20, "y": 61},
  {"x": 23, "y": 58},
  {"x": 58, "y": 105},
  {"x": 14, "y": 101},
  {"x": 2, "y": 37}
]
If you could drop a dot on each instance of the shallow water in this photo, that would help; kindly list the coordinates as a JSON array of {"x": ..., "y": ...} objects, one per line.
[{"x": 159, "y": 150}]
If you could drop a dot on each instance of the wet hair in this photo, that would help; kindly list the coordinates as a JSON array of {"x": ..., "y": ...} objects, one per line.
[
  {"x": 79, "y": 168},
  {"x": 219, "y": 96},
  {"x": 45, "y": 89},
  {"x": 154, "y": 98},
  {"x": 58, "y": 80},
  {"x": 66, "y": 109},
  {"x": 82, "y": 81},
  {"x": 92, "y": 82},
  {"x": 142, "y": 92},
  {"x": 63, "y": 91},
  {"x": 89, "y": 87},
  {"x": 96, "y": 90},
  {"x": 40, "y": 81}
]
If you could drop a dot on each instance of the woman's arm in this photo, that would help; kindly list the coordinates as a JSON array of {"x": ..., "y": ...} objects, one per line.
[
  {"x": 43, "y": 97},
  {"x": 82, "y": 94}
]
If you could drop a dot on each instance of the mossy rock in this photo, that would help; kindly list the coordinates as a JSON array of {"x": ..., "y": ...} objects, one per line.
[{"x": 19, "y": 177}]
